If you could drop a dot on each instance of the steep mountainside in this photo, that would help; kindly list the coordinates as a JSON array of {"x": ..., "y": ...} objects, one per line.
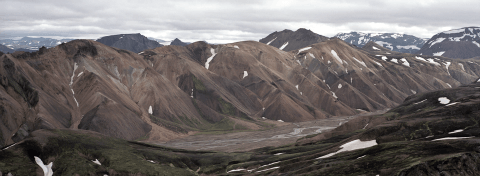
[
  {"x": 461, "y": 43},
  {"x": 178, "y": 42},
  {"x": 167, "y": 92},
  {"x": 131, "y": 42},
  {"x": 430, "y": 133},
  {"x": 396, "y": 42},
  {"x": 288, "y": 40}
]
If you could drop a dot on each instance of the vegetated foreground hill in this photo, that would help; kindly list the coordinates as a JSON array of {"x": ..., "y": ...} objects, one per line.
[
  {"x": 430, "y": 133},
  {"x": 288, "y": 40},
  {"x": 461, "y": 43},
  {"x": 396, "y": 42},
  {"x": 131, "y": 42},
  {"x": 167, "y": 92}
]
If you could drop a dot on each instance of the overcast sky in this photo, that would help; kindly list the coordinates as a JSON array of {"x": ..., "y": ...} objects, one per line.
[{"x": 223, "y": 21}]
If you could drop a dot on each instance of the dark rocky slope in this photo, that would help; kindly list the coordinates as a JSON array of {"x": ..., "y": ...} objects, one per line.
[
  {"x": 131, "y": 42},
  {"x": 461, "y": 43},
  {"x": 288, "y": 40}
]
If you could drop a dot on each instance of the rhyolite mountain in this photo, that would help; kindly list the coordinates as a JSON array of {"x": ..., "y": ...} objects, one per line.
[
  {"x": 430, "y": 133},
  {"x": 178, "y": 42},
  {"x": 461, "y": 43},
  {"x": 166, "y": 92},
  {"x": 132, "y": 42},
  {"x": 288, "y": 40},
  {"x": 394, "y": 41}
]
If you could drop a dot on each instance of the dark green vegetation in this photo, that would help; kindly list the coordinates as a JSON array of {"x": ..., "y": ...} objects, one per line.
[{"x": 407, "y": 138}]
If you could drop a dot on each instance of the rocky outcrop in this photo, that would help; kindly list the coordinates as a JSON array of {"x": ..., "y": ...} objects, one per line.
[{"x": 288, "y": 40}]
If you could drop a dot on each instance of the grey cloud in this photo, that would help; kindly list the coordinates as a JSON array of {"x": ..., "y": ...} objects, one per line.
[{"x": 231, "y": 20}]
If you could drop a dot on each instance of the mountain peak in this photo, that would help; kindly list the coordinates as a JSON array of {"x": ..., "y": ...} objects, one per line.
[
  {"x": 178, "y": 42},
  {"x": 288, "y": 40},
  {"x": 132, "y": 42}
]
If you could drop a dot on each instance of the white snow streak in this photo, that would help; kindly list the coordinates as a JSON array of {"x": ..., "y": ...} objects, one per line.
[
  {"x": 245, "y": 74},
  {"x": 420, "y": 58},
  {"x": 438, "y": 40},
  {"x": 475, "y": 42},
  {"x": 236, "y": 47},
  {"x": 449, "y": 85},
  {"x": 311, "y": 55},
  {"x": 456, "y": 131},
  {"x": 296, "y": 86},
  {"x": 446, "y": 65},
  {"x": 268, "y": 169},
  {"x": 394, "y": 60},
  {"x": 271, "y": 41},
  {"x": 430, "y": 60},
  {"x": 47, "y": 170},
  {"x": 283, "y": 46},
  {"x": 375, "y": 48},
  {"x": 150, "y": 110},
  {"x": 438, "y": 53},
  {"x": 461, "y": 65},
  {"x": 449, "y": 138},
  {"x": 352, "y": 145},
  {"x": 336, "y": 56},
  {"x": 420, "y": 101},
  {"x": 304, "y": 49},
  {"x": 333, "y": 94},
  {"x": 361, "y": 62},
  {"x": 207, "y": 64},
  {"x": 97, "y": 162},
  {"x": 405, "y": 62},
  {"x": 80, "y": 74}
]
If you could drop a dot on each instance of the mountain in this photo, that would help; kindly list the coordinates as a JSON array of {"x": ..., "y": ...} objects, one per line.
[
  {"x": 6, "y": 49},
  {"x": 132, "y": 42},
  {"x": 288, "y": 40},
  {"x": 432, "y": 133},
  {"x": 167, "y": 92},
  {"x": 396, "y": 42},
  {"x": 178, "y": 42},
  {"x": 461, "y": 43},
  {"x": 30, "y": 44},
  {"x": 163, "y": 42}
]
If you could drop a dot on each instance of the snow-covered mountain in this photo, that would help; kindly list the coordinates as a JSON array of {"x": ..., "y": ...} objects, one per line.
[
  {"x": 456, "y": 43},
  {"x": 396, "y": 42},
  {"x": 31, "y": 43}
]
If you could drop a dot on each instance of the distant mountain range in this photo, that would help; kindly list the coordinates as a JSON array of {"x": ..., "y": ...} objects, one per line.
[
  {"x": 30, "y": 44},
  {"x": 457, "y": 43},
  {"x": 393, "y": 41}
]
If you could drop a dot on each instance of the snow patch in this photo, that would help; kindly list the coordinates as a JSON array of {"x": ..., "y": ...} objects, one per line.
[
  {"x": 245, "y": 74},
  {"x": 276, "y": 154},
  {"x": 420, "y": 58},
  {"x": 438, "y": 53},
  {"x": 375, "y": 48},
  {"x": 311, "y": 55},
  {"x": 430, "y": 60},
  {"x": 382, "y": 43},
  {"x": 446, "y": 65},
  {"x": 268, "y": 169},
  {"x": 271, "y": 41},
  {"x": 438, "y": 40},
  {"x": 394, "y": 60},
  {"x": 452, "y": 104},
  {"x": 336, "y": 56},
  {"x": 333, "y": 94},
  {"x": 150, "y": 110},
  {"x": 405, "y": 62},
  {"x": 378, "y": 63},
  {"x": 408, "y": 47},
  {"x": 454, "y": 31},
  {"x": 97, "y": 162},
  {"x": 461, "y": 65},
  {"x": 47, "y": 170},
  {"x": 283, "y": 46},
  {"x": 280, "y": 120},
  {"x": 304, "y": 49},
  {"x": 236, "y": 47},
  {"x": 420, "y": 101},
  {"x": 207, "y": 64},
  {"x": 449, "y": 138},
  {"x": 339, "y": 86},
  {"x": 352, "y": 145},
  {"x": 296, "y": 86},
  {"x": 80, "y": 74},
  {"x": 299, "y": 63},
  {"x": 449, "y": 85},
  {"x": 475, "y": 42},
  {"x": 444, "y": 100},
  {"x": 456, "y": 131},
  {"x": 361, "y": 62},
  {"x": 414, "y": 92}
]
